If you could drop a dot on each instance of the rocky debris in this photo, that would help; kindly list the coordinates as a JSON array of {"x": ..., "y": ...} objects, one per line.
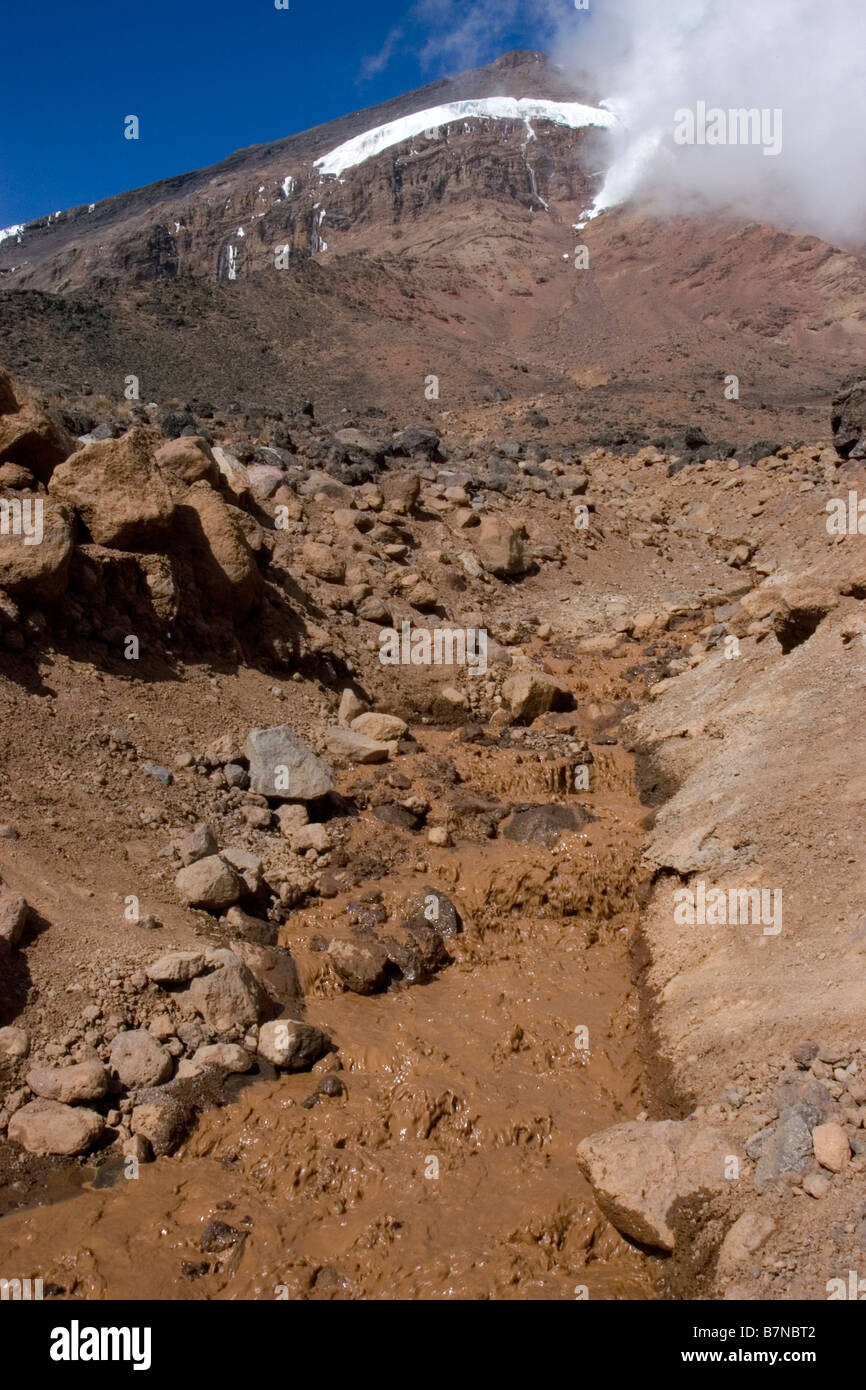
[
  {"x": 745, "y": 1238},
  {"x": 177, "y": 967},
  {"x": 291, "y": 1045},
  {"x": 118, "y": 491},
  {"x": 531, "y": 693},
  {"x": 210, "y": 883},
  {"x": 501, "y": 547},
  {"x": 543, "y": 825},
  {"x": 356, "y": 747},
  {"x": 81, "y": 1081},
  {"x": 139, "y": 1060},
  {"x": 13, "y": 917},
  {"x": 786, "y": 1148},
  {"x": 37, "y": 571},
  {"x": 199, "y": 843},
  {"x": 46, "y": 1127},
  {"x": 229, "y": 998},
  {"x": 639, "y": 1170},
  {"x": 284, "y": 768}
]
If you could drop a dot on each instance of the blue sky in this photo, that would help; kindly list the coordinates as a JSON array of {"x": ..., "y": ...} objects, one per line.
[{"x": 206, "y": 77}]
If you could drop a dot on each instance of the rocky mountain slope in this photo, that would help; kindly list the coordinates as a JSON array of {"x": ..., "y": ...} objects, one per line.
[{"x": 333, "y": 969}]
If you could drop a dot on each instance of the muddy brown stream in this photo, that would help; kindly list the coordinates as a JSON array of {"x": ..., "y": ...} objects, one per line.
[{"x": 446, "y": 1168}]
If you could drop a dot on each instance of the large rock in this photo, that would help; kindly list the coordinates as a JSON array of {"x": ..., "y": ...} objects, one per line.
[
  {"x": 543, "y": 825},
  {"x": 382, "y": 728},
  {"x": 46, "y": 1127},
  {"x": 118, "y": 491},
  {"x": 849, "y": 420},
  {"x": 188, "y": 460},
  {"x": 13, "y": 916},
  {"x": 355, "y": 747},
  {"x": 361, "y": 966},
  {"x": 273, "y": 968},
  {"x": 81, "y": 1081},
  {"x": 177, "y": 967},
  {"x": 229, "y": 999},
  {"x": 39, "y": 570},
  {"x": 502, "y": 547},
  {"x": 34, "y": 441},
  {"x": 210, "y": 883},
  {"x": 214, "y": 545},
  {"x": 639, "y": 1170},
  {"x": 321, "y": 562},
  {"x": 432, "y": 908},
  {"x": 284, "y": 768},
  {"x": 531, "y": 693},
  {"x": 291, "y": 1045},
  {"x": 139, "y": 1060}
]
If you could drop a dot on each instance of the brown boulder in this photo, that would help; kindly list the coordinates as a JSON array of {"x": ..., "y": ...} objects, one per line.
[
  {"x": 501, "y": 547},
  {"x": 118, "y": 491},
  {"x": 37, "y": 570},
  {"x": 188, "y": 460},
  {"x": 47, "y": 1127},
  {"x": 215, "y": 547},
  {"x": 34, "y": 441}
]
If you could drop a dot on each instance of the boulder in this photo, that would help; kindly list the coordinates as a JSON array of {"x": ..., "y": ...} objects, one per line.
[
  {"x": 284, "y": 768},
  {"x": 532, "y": 693},
  {"x": 831, "y": 1146},
  {"x": 849, "y": 420},
  {"x": 274, "y": 970},
  {"x": 35, "y": 568},
  {"x": 432, "y": 908},
  {"x": 139, "y": 1060},
  {"x": 118, "y": 491},
  {"x": 748, "y": 1233},
  {"x": 188, "y": 460},
  {"x": 360, "y": 966},
  {"x": 47, "y": 1127},
  {"x": 543, "y": 825},
  {"x": 210, "y": 883},
  {"x": 638, "y": 1170},
  {"x": 321, "y": 562},
  {"x": 208, "y": 537},
  {"x": 501, "y": 547},
  {"x": 81, "y": 1081},
  {"x": 13, "y": 916},
  {"x": 228, "y": 1057},
  {"x": 290, "y": 1045},
  {"x": 355, "y": 747},
  {"x": 230, "y": 998},
  {"x": 178, "y": 967},
  {"x": 382, "y": 728},
  {"x": 34, "y": 441},
  {"x": 400, "y": 491}
]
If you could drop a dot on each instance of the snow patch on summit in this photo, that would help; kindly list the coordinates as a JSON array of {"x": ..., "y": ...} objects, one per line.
[{"x": 362, "y": 147}]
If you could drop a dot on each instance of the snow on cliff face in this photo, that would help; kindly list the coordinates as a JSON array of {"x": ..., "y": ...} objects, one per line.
[
  {"x": 12, "y": 231},
  {"x": 527, "y": 109}
]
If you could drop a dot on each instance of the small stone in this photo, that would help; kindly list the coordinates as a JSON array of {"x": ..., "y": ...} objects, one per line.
[
  {"x": 361, "y": 966},
  {"x": 832, "y": 1149},
  {"x": 748, "y": 1233},
  {"x": 200, "y": 843},
  {"x": 816, "y": 1185},
  {"x": 383, "y": 728},
  {"x": 356, "y": 748},
  {"x": 14, "y": 1043},
  {"x": 13, "y": 916}
]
